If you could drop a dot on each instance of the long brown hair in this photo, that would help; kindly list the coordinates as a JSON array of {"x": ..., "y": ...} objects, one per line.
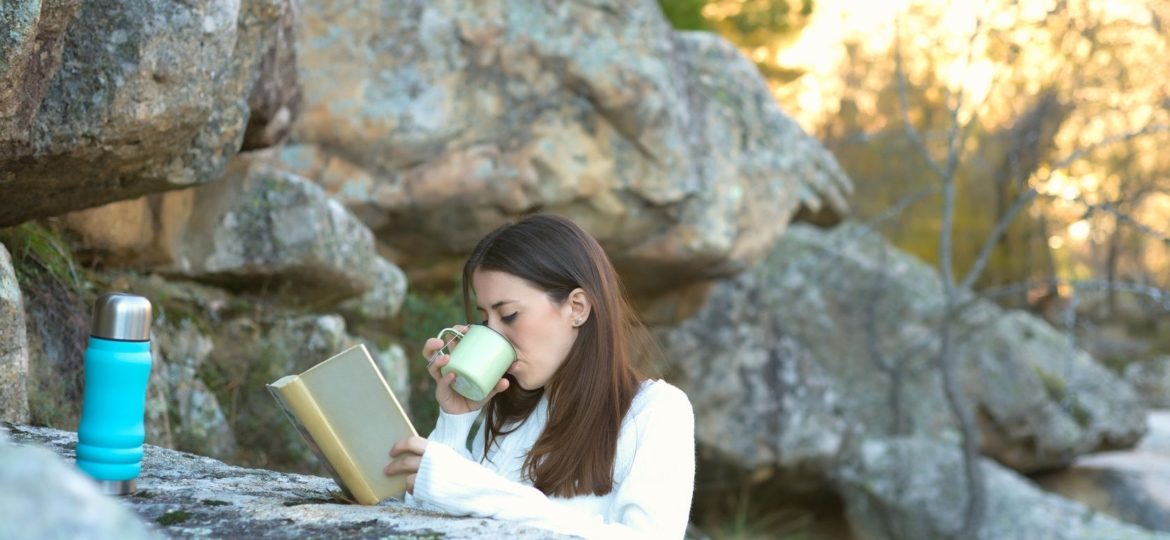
[{"x": 591, "y": 392}]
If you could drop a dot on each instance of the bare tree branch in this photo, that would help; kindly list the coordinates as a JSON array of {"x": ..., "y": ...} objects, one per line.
[
  {"x": 991, "y": 87},
  {"x": 1146, "y": 130},
  {"x": 953, "y": 151},
  {"x": 996, "y": 234},
  {"x": 1030, "y": 194},
  {"x": 901, "y": 206},
  {"x": 904, "y": 103},
  {"x": 976, "y": 502},
  {"x": 1154, "y": 293},
  {"x": 1111, "y": 208}
]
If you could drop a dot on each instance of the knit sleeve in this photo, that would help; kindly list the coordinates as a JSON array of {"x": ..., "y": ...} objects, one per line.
[
  {"x": 451, "y": 432},
  {"x": 652, "y": 501},
  {"x": 452, "y": 429}
]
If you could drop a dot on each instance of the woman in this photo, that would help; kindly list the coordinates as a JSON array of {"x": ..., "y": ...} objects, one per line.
[{"x": 574, "y": 439}]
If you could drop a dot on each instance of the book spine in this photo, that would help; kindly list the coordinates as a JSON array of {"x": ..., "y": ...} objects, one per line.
[{"x": 306, "y": 416}]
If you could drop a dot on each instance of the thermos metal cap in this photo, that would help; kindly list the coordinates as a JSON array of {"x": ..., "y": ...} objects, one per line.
[{"x": 120, "y": 316}]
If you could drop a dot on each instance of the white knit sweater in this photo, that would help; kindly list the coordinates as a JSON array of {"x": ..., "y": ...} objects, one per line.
[{"x": 654, "y": 473}]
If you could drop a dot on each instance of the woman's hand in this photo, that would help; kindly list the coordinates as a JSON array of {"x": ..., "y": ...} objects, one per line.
[
  {"x": 409, "y": 453},
  {"x": 450, "y": 401}
]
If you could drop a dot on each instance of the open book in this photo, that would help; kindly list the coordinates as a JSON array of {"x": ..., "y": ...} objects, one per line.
[{"x": 349, "y": 416}]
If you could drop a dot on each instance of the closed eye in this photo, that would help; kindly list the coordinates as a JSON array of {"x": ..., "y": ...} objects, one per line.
[{"x": 510, "y": 318}]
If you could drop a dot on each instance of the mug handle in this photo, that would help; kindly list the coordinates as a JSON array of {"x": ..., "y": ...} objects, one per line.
[{"x": 444, "y": 332}]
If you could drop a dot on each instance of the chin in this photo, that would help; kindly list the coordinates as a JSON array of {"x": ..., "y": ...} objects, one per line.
[{"x": 526, "y": 384}]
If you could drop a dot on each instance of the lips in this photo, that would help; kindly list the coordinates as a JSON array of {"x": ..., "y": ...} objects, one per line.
[{"x": 512, "y": 367}]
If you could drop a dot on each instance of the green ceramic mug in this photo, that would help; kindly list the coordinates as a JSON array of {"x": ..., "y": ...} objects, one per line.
[{"x": 480, "y": 360}]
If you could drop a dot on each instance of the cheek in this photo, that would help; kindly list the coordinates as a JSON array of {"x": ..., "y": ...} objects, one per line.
[{"x": 533, "y": 339}]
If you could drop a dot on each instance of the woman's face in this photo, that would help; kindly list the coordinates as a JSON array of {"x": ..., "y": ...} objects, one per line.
[{"x": 541, "y": 330}]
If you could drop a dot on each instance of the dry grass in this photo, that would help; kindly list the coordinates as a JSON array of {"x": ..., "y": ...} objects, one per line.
[{"x": 55, "y": 291}]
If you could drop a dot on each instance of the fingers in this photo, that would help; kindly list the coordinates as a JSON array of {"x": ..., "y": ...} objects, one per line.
[
  {"x": 409, "y": 452},
  {"x": 456, "y": 339},
  {"x": 407, "y": 465},
  {"x": 431, "y": 347},
  {"x": 500, "y": 387},
  {"x": 437, "y": 365},
  {"x": 415, "y": 445}
]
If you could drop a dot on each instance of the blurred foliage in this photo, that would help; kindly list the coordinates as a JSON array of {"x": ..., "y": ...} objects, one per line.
[
  {"x": 761, "y": 28},
  {"x": 423, "y": 315},
  {"x": 1030, "y": 85},
  {"x": 685, "y": 14}
]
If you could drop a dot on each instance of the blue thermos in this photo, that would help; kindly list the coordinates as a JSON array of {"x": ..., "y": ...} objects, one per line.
[{"x": 117, "y": 367}]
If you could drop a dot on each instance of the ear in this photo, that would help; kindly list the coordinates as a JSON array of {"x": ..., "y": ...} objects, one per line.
[{"x": 578, "y": 306}]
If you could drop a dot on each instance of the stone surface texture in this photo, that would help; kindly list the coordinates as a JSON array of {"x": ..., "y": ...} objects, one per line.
[
  {"x": 183, "y": 495},
  {"x": 264, "y": 229},
  {"x": 914, "y": 489},
  {"x": 382, "y": 302},
  {"x": 148, "y": 97},
  {"x": 13, "y": 346},
  {"x": 1133, "y": 485},
  {"x": 440, "y": 123},
  {"x": 275, "y": 100},
  {"x": 1151, "y": 378},
  {"x": 30, "y": 50},
  {"x": 201, "y": 427},
  {"x": 43, "y": 496},
  {"x": 762, "y": 398},
  {"x": 832, "y": 337}
]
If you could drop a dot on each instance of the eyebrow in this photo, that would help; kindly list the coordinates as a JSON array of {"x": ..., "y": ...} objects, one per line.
[{"x": 496, "y": 305}]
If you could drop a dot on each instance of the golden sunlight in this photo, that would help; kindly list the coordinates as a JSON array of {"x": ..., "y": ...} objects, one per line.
[{"x": 1079, "y": 230}]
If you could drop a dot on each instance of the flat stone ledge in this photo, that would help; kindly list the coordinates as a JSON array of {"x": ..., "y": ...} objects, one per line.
[{"x": 189, "y": 496}]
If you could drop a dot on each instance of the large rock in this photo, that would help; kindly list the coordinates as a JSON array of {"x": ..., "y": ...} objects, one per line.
[
  {"x": 382, "y": 302},
  {"x": 30, "y": 49},
  {"x": 1130, "y": 485},
  {"x": 260, "y": 229},
  {"x": 43, "y": 497},
  {"x": 1157, "y": 439},
  {"x": 329, "y": 259},
  {"x": 1151, "y": 378},
  {"x": 135, "y": 103},
  {"x": 148, "y": 97},
  {"x": 833, "y": 334},
  {"x": 13, "y": 346},
  {"x": 275, "y": 100},
  {"x": 124, "y": 231},
  {"x": 442, "y": 122},
  {"x": 201, "y": 426},
  {"x": 189, "y": 496},
  {"x": 263, "y": 229},
  {"x": 763, "y": 403},
  {"x": 157, "y": 416},
  {"x": 914, "y": 489}
]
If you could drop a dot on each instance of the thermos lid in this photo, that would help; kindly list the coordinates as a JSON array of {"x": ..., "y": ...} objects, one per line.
[{"x": 121, "y": 316}]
